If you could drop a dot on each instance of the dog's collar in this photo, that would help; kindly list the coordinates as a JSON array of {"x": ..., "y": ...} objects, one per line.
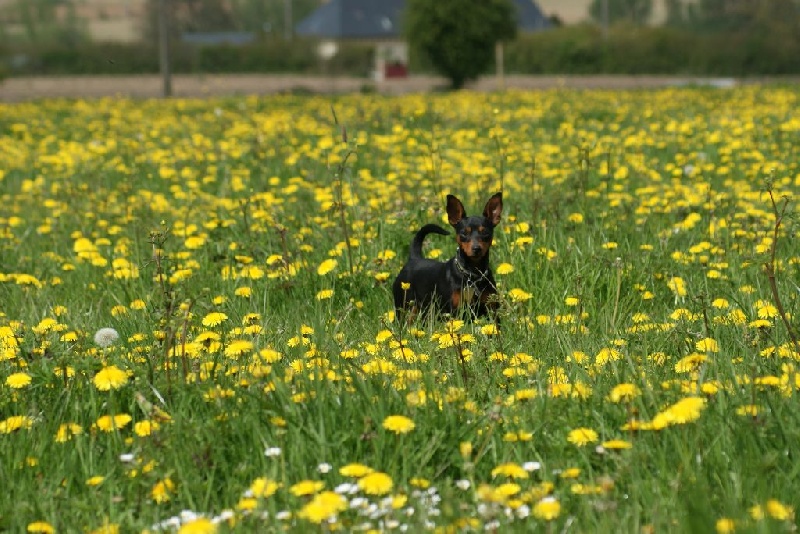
[{"x": 468, "y": 274}]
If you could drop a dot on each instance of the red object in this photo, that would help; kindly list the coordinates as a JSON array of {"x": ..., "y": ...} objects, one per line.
[{"x": 395, "y": 70}]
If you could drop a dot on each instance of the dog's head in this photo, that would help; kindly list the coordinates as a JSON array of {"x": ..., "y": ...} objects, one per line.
[{"x": 474, "y": 233}]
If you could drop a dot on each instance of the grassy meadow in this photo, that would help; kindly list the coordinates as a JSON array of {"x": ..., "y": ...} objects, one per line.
[{"x": 197, "y": 332}]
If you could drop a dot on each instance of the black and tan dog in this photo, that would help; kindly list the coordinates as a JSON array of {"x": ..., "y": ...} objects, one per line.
[{"x": 465, "y": 280}]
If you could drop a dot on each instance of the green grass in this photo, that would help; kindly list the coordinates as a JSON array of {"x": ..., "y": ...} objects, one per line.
[{"x": 637, "y": 313}]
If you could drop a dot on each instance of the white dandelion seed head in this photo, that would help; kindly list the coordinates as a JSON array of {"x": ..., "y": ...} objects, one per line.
[
  {"x": 272, "y": 452},
  {"x": 358, "y": 502},
  {"x": 105, "y": 337},
  {"x": 189, "y": 515},
  {"x": 531, "y": 466},
  {"x": 492, "y": 526},
  {"x": 225, "y": 515},
  {"x": 346, "y": 488}
]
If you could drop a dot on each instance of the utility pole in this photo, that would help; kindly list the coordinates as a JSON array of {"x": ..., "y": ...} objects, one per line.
[{"x": 163, "y": 48}]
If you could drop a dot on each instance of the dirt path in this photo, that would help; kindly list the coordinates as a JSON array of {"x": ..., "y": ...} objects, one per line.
[{"x": 22, "y": 89}]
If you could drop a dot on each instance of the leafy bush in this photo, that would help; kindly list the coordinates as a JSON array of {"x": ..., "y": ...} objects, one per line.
[{"x": 458, "y": 36}]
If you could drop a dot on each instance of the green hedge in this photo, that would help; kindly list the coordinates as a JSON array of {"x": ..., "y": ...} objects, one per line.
[
  {"x": 646, "y": 50},
  {"x": 276, "y": 56},
  {"x": 568, "y": 50}
]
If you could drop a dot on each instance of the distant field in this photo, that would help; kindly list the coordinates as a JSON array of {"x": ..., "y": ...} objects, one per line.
[{"x": 197, "y": 335}]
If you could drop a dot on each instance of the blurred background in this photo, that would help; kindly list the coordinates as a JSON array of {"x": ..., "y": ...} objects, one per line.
[{"x": 366, "y": 38}]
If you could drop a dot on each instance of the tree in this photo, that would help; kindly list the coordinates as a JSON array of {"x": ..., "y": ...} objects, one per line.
[
  {"x": 633, "y": 11},
  {"x": 458, "y": 37}
]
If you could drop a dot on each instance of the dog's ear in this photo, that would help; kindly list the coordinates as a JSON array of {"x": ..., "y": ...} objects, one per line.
[
  {"x": 494, "y": 208},
  {"x": 455, "y": 210}
]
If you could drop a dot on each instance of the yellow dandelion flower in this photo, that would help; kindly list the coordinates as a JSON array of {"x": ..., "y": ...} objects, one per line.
[
  {"x": 616, "y": 444},
  {"x": 421, "y": 483},
  {"x": 14, "y": 423},
  {"x": 572, "y": 472},
  {"x": 145, "y": 428},
  {"x": 489, "y": 329},
  {"x": 748, "y": 410},
  {"x": 66, "y": 431},
  {"x": 575, "y": 218},
  {"x": 238, "y": 347},
  {"x": 40, "y": 527},
  {"x": 306, "y": 487},
  {"x": 519, "y": 295},
  {"x": 685, "y": 410},
  {"x": 323, "y": 506},
  {"x": 690, "y": 363},
  {"x": 582, "y": 436},
  {"x": 95, "y": 480},
  {"x": 355, "y": 470},
  {"x": 399, "y": 424},
  {"x": 767, "y": 311},
  {"x": 200, "y": 525},
  {"x": 707, "y": 345},
  {"x": 757, "y": 512},
  {"x": 214, "y": 319},
  {"x": 18, "y": 380},
  {"x": 247, "y": 504},
  {"x": 510, "y": 470},
  {"x": 111, "y": 377},
  {"x": 107, "y": 423},
  {"x": 547, "y": 509},
  {"x": 504, "y": 268},
  {"x": 777, "y": 510},
  {"x": 720, "y": 303},
  {"x": 677, "y": 285},
  {"x": 324, "y": 294},
  {"x": 264, "y": 487},
  {"x": 326, "y": 266},
  {"x": 244, "y": 292},
  {"x": 725, "y": 526},
  {"x": 624, "y": 393},
  {"x": 162, "y": 491},
  {"x": 376, "y": 483}
]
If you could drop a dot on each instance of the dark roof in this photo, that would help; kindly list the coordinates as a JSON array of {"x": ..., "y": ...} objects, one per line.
[
  {"x": 370, "y": 19},
  {"x": 529, "y": 17},
  {"x": 365, "y": 19}
]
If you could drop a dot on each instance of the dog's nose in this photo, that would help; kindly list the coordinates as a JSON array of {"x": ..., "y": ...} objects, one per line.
[{"x": 476, "y": 249}]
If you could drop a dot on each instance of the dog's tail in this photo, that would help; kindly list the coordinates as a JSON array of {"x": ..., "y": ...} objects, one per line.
[{"x": 415, "y": 253}]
